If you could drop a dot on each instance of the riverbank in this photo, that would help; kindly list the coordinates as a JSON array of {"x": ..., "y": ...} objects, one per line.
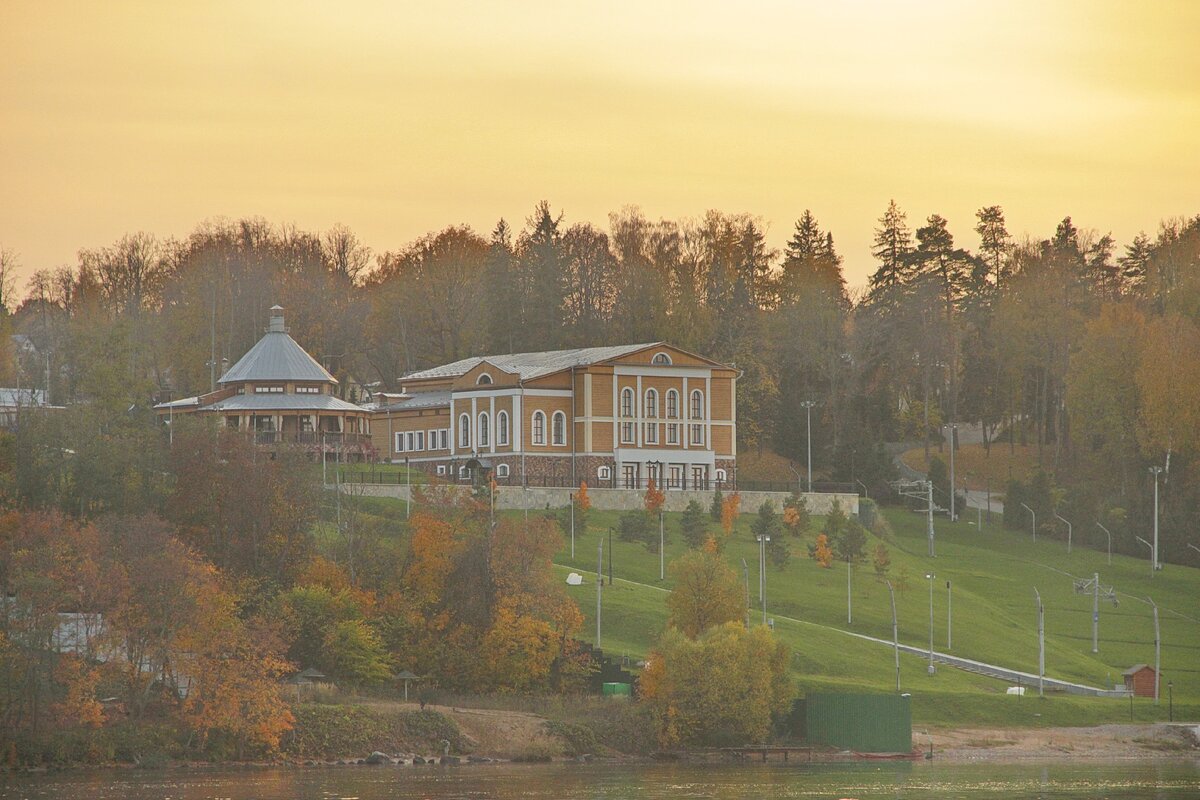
[{"x": 1100, "y": 742}]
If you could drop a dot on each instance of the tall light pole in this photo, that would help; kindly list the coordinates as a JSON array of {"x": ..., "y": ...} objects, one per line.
[
  {"x": 930, "y": 576},
  {"x": 1041, "y": 628},
  {"x": 1109, "y": 535},
  {"x": 762, "y": 573},
  {"x": 929, "y": 515},
  {"x": 1143, "y": 541},
  {"x": 408, "y": 485},
  {"x": 746, "y": 570},
  {"x": 1197, "y": 549},
  {"x": 1156, "y": 646},
  {"x": 1034, "y": 515},
  {"x": 895, "y": 633},
  {"x": 808, "y": 404},
  {"x": 599, "y": 586},
  {"x": 662, "y": 549},
  {"x": 949, "y": 616},
  {"x": 953, "y": 431},
  {"x": 1060, "y": 519},
  {"x": 1155, "y": 471},
  {"x": 572, "y": 498}
]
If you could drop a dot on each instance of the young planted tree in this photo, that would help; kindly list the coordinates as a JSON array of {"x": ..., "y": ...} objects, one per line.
[
  {"x": 707, "y": 592},
  {"x": 694, "y": 525}
]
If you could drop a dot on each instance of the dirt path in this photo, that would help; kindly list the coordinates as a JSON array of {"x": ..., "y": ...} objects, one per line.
[
  {"x": 1106, "y": 742},
  {"x": 493, "y": 732}
]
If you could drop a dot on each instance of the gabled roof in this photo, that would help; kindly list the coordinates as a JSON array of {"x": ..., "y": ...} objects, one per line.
[
  {"x": 433, "y": 399},
  {"x": 532, "y": 365},
  {"x": 277, "y": 357},
  {"x": 1137, "y": 668}
]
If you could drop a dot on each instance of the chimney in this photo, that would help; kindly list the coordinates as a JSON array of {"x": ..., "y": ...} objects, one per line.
[{"x": 276, "y": 321}]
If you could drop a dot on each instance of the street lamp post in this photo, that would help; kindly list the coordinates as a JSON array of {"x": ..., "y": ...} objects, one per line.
[
  {"x": 1041, "y": 642},
  {"x": 762, "y": 573},
  {"x": 746, "y": 570},
  {"x": 599, "y": 585},
  {"x": 930, "y": 576},
  {"x": 1154, "y": 606},
  {"x": 1034, "y": 515},
  {"x": 1143, "y": 541},
  {"x": 953, "y": 431},
  {"x": 408, "y": 485},
  {"x": 808, "y": 404},
  {"x": 895, "y": 633},
  {"x": 949, "y": 616},
  {"x": 1109, "y": 535},
  {"x": 572, "y": 498},
  {"x": 1155, "y": 471},
  {"x": 1060, "y": 519}
]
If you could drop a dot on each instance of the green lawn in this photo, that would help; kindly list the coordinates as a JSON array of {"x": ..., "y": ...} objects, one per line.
[{"x": 994, "y": 616}]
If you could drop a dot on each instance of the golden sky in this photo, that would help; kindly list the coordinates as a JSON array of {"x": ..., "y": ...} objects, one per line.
[{"x": 401, "y": 118}]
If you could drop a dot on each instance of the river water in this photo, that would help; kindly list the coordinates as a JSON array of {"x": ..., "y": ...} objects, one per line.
[{"x": 1164, "y": 780}]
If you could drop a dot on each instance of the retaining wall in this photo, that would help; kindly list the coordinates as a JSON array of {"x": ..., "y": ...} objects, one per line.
[{"x": 517, "y": 498}]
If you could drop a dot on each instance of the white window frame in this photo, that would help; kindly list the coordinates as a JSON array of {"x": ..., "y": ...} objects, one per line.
[
  {"x": 537, "y": 430},
  {"x": 275, "y": 389},
  {"x": 441, "y": 469},
  {"x": 502, "y": 470},
  {"x": 410, "y": 440},
  {"x": 650, "y": 404},
  {"x": 502, "y": 429},
  {"x": 697, "y": 434},
  {"x": 696, "y": 405},
  {"x": 604, "y": 473},
  {"x": 627, "y": 432},
  {"x": 398, "y": 445},
  {"x": 484, "y": 379},
  {"x": 464, "y": 472},
  {"x": 483, "y": 433},
  {"x": 672, "y": 409},
  {"x": 627, "y": 402},
  {"x": 433, "y": 439},
  {"x": 651, "y": 433},
  {"x": 673, "y": 433},
  {"x": 719, "y": 476},
  {"x": 661, "y": 360},
  {"x": 675, "y": 476},
  {"x": 445, "y": 439},
  {"x": 420, "y": 437},
  {"x": 558, "y": 429},
  {"x": 308, "y": 390},
  {"x": 464, "y": 431}
]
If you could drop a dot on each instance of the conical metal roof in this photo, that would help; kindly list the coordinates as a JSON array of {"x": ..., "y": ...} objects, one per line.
[{"x": 277, "y": 357}]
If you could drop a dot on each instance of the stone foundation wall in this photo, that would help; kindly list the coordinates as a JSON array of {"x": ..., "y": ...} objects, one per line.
[{"x": 516, "y": 498}]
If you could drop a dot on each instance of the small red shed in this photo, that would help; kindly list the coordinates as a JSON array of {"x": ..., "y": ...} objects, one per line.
[{"x": 1139, "y": 679}]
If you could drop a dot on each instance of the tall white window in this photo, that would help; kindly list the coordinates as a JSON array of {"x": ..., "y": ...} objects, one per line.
[
  {"x": 697, "y": 434},
  {"x": 410, "y": 441},
  {"x": 697, "y": 404},
  {"x": 673, "y": 434},
  {"x": 444, "y": 439},
  {"x": 559, "y": 432},
  {"x": 672, "y": 404},
  {"x": 399, "y": 442},
  {"x": 651, "y": 403},
  {"x": 420, "y": 437},
  {"x": 539, "y": 428},
  {"x": 626, "y": 433},
  {"x": 627, "y": 402},
  {"x": 502, "y": 428},
  {"x": 485, "y": 435},
  {"x": 651, "y": 433},
  {"x": 464, "y": 431},
  {"x": 433, "y": 439}
]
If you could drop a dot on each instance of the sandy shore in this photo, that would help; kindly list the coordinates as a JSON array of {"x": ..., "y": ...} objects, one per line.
[{"x": 1103, "y": 742}]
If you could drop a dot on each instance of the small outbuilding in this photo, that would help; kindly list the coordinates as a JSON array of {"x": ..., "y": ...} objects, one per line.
[
  {"x": 1139, "y": 679},
  {"x": 309, "y": 681}
]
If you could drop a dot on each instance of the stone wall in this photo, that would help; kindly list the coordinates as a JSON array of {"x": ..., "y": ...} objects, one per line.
[{"x": 516, "y": 498}]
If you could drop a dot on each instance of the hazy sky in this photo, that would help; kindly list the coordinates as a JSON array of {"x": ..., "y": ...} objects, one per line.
[{"x": 401, "y": 118}]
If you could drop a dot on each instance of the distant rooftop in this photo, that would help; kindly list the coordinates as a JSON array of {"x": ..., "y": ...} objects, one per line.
[
  {"x": 277, "y": 357},
  {"x": 532, "y": 365}
]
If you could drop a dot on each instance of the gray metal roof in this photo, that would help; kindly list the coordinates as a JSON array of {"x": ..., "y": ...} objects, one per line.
[
  {"x": 533, "y": 365},
  {"x": 277, "y": 357},
  {"x": 186, "y": 402},
  {"x": 283, "y": 402},
  {"x": 418, "y": 400}
]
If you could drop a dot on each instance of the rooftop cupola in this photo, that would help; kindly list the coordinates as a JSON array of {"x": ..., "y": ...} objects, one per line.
[{"x": 275, "y": 324}]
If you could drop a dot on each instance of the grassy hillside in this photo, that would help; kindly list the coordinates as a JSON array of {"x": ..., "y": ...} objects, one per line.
[{"x": 994, "y": 618}]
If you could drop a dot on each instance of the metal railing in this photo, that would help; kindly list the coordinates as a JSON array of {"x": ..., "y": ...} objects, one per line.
[{"x": 331, "y": 439}]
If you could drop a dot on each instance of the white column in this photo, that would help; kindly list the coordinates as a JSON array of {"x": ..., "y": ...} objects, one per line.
[
  {"x": 708, "y": 412},
  {"x": 616, "y": 418},
  {"x": 518, "y": 443},
  {"x": 492, "y": 423},
  {"x": 638, "y": 411},
  {"x": 686, "y": 403},
  {"x": 453, "y": 426},
  {"x": 587, "y": 412},
  {"x": 474, "y": 424}
]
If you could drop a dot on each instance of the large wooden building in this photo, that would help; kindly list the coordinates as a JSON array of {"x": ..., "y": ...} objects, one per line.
[
  {"x": 280, "y": 394},
  {"x": 611, "y": 416}
]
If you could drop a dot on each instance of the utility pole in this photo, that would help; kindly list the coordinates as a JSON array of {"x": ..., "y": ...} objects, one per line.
[
  {"x": 929, "y": 489},
  {"x": 930, "y": 576},
  {"x": 746, "y": 570},
  {"x": 1155, "y": 471},
  {"x": 1095, "y": 612},
  {"x": 949, "y": 615},
  {"x": 1156, "y": 648},
  {"x": 599, "y": 586},
  {"x": 849, "y": 615},
  {"x": 895, "y": 633},
  {"x": 808, "y": 404},
  {"x": 1041, "y": 628},
  {"x": 762, "y": 573},
  {"x": 662, "y": 550},
  {"x": 572, "y": 526},
  {"x": 953, "y": 431}
]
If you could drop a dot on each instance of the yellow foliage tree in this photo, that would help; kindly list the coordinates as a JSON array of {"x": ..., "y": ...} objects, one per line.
[
  {"x": 654, "y": 497},
  {"x": 706, "y": 593},
  {"x": 721, "y": 687},
  {"x": 581, "y": 499},
  {"x": 730, "y": 507},
  {"x": 822, "y": 552},
  {"x": 1167, "y": 379},
  {"x": 432, "y": 553}
]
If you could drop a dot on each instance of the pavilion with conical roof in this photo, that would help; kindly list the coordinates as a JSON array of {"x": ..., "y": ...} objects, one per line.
[{"x": 282, "y": 395}]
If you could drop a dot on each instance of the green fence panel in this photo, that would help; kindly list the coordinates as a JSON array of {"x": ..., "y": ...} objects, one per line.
[{"x": 866, "y": 723}]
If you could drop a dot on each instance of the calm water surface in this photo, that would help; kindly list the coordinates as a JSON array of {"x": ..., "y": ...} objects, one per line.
[{"x": 1165, "y": 780}]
